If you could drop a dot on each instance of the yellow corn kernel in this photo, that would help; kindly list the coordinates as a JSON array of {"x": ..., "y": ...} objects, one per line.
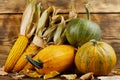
[
  {"x": 28, "y": 66},
  {"x": 30, "y": 51},
  {"x": 15, "y": 53}
]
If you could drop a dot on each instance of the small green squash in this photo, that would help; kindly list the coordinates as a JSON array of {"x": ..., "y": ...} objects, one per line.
[
  {"x": 95, "y": 56},
  {"x": 80, "y": 31}
]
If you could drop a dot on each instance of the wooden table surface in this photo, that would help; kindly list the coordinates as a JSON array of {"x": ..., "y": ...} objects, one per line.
[{"x": 105, "y": 12}]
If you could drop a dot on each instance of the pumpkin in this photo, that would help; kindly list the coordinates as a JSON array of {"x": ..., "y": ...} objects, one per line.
[
  {"x": 95, "y": 56},
  {"x": 53, "y": 58},
  {"x": 80, "y": 31}
]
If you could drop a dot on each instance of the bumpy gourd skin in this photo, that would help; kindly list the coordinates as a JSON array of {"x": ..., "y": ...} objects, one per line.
[
  {"x": 80, "y": 31},
  {"x": 99, "y": 58}
]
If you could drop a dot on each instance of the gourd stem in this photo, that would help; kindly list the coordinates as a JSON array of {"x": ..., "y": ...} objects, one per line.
[
  {"x": 36, "y": 63},
  {"x": 94, "y": 42},
  {"x": 87, "y": 11}
]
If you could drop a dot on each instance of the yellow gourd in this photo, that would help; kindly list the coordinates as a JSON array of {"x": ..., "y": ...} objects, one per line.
[{"x": 53, "y": 58}]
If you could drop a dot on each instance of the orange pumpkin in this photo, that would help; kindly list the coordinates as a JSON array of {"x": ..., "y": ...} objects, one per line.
[
  {"x": 53, "y": 58},
  {"x": 95, "y": 56}
]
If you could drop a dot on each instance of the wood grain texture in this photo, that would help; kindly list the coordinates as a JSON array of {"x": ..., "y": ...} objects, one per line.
[
  {"x": 105, "y": 12},
  {"x": 96, "y": 6},
  {"x": 9, "y": 30}
]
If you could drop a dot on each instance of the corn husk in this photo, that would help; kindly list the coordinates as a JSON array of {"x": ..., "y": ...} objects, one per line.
[
  {"x": 27, "y": 19},
  {"x": 41, "y": 27},
  {"x": 69, "y": 76},
  {"x": 59, "y": 36},
  {"x": 51, "y": 74}
]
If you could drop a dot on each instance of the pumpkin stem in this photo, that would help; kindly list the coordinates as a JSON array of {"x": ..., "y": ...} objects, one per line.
[
  {"x": 36, "y": 63},
  {"x": 87, "y": 11},
  {"x": 94, "y": 42}
]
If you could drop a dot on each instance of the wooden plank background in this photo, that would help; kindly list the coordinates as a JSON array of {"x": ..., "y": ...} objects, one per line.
[
  {"x": 97, "y": 6},
  {"x": 105, "y": 12}
]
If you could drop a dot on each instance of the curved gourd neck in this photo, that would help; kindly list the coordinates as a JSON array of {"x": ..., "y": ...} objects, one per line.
[
  {"x": 36, "y": 63},
  {"x": 87, "y": 11}
]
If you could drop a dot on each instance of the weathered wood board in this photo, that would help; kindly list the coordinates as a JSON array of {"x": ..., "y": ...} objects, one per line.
[
  {"x": 105, "y": 12},
  {"x": 97, "y": 6}
]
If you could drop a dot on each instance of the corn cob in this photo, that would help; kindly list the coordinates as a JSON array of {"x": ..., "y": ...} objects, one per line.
[
  {"x": 37, "y": 42},
  {"x": 30, "y": 51},
  {"x": 18, "y": 48},
  {"x": 28, "y": 66},
  {"x": 26, "y": 31}
]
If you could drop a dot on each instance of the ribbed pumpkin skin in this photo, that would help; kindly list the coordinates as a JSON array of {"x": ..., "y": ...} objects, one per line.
[
  {"x": 55, "y": 58},
  {"x": 80, "y": 31},
  {"x": 99, "y": 59}
]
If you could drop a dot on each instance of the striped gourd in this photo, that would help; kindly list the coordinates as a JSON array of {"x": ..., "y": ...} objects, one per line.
[
  {"x": 95, "y": 56},
  {"x": 80, "y": 31}
]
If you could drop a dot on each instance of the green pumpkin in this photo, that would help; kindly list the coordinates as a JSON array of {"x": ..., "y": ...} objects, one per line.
[{"x": 80, "y": 31}]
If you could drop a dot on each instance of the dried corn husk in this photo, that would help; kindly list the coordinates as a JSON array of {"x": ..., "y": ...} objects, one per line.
[
  {"x": 41, "y": 27},
  {"x": 52, "y": 74},
  {"x": 87, "y": 76},
  {"x": 27, "y": 19},
  {"x": 69, "y": 76},
  {"x": 59, "y": 36}
]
